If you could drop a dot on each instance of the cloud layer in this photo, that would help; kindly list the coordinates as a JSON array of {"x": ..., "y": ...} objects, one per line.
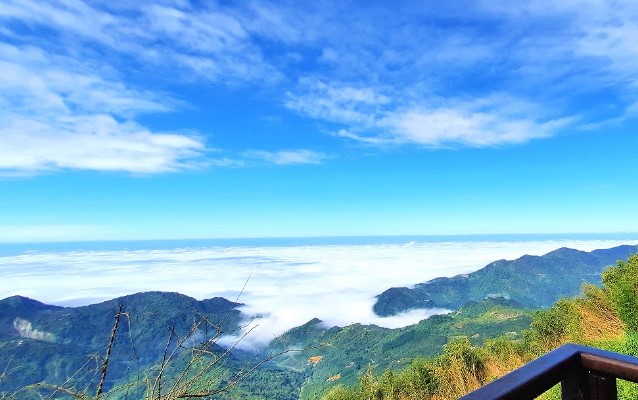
[
  {"x": 84, "y": 75},
  {"x": 60, "y": 114},
  {"x": 68, "y": 98},
  {"x": 286, "y": 157},
  {"x": 287, "y": 285}
]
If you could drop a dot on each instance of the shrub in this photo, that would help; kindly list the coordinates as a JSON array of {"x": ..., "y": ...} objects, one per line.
[
  {"x": 341, "y": 393},
  {"x": 460, "y": 369},
  {"x": 622, "y": 284},
  {"x": 553, "y": 327},
  {"x": 418, "y": 380}
]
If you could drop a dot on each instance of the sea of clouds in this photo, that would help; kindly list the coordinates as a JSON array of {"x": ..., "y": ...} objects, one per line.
[{"x": 286, "y": 285}]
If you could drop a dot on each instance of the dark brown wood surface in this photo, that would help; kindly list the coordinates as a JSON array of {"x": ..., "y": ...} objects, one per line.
[{"x": 584, "y": 373}]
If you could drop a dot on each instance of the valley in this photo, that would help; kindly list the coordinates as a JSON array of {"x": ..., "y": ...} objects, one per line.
[{"x": 64, "y": 347}]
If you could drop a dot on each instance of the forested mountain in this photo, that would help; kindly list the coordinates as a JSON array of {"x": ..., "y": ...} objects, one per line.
[
  {"x": 604, "y": 316},
  {"x": 42, "y": 343},
  {"x": 39, "y": 342},
  {"x": 341, "y": 355},
  {"x": 533, "y": 281},
  {"x": 166, "y": 339}
]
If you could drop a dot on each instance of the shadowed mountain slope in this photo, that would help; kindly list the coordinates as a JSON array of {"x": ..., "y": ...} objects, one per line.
[
  {"x": 532, "y": 281},
  {"x": 39, "y": 342}
]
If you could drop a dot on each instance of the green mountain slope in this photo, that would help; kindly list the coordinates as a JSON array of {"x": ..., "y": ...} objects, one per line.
[
  {"x": 72, "y": 340},
  {"x": 47, "y": 343},
  {"x": 341, "y": 355},
  {"x": 533, "y": 281},
  {"x": 65, "y": 345},
  {"x": 603, "y": 316}
]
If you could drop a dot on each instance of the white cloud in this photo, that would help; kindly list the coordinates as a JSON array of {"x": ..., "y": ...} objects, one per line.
[
  {"x": 616, "y": 45},
  {"x": 66, "y": 98},
  {"x": 209, "y": 44},
  {"x": 37, "y": 82},
  {"x": 568, "y": 49},
  {"x": 287, "y": 157},
  {"x": 339, "y": 103},
  {"x": 93, "y": 142},
  {"x": 466, "y": 126},
  {"x": 374, "y": 140},
  {"x": 373, "y": 119},
  {"x": 378, "y": 76},
  {"x": 269, "y": 20},
  {"x": 590, "y": 43},
  {"x": 288, "y": 285},
  {"x": 58, "y": 114}
]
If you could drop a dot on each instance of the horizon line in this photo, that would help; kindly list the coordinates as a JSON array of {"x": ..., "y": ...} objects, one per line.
[{"x": 331, "y": 237}]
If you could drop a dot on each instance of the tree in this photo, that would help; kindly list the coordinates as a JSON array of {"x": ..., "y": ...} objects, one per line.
[{"x": 621, "y": 282}]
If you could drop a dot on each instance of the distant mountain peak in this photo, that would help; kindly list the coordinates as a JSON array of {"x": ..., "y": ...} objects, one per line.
[
  {"x": 533, "y": 281},
  {"x": 565, "y": 251},
  {"x": 18, "y": 301}
]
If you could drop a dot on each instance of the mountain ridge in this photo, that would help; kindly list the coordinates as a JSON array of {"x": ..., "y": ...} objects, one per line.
[
  {"x": 533, "y": 281},
  {"x": 53, "y": 340},
  {"x": 56, "y": 342}
]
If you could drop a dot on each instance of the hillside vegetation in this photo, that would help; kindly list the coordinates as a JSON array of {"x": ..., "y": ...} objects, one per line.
[
  {"x": 342, "y": 355},
  {"x": 70, "y": 348},
  {"x": 59, "y": 352},
  {"x": 165, "y": 345},
  {"x": 532, "y": 281},
  {"x": 604, "y": 317}
]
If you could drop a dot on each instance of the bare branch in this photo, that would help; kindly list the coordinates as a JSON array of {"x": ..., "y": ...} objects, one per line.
[{"x": 105, "y": 364}]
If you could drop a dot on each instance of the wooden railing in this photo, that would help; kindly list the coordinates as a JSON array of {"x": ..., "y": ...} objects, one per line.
[{"x": 585, "y": 373}]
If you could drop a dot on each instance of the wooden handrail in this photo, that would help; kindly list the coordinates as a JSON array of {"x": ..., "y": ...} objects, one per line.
[{"x": 584, "y": 373}]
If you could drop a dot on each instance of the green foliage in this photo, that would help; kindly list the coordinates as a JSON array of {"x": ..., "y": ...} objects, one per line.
[
  {"x": 504, "y": 347},
  {"x": 622, "y": 284},
  {"x": 340, "y": 392},
  {"x": 375, "y": 388},
  {"x": 532, "y": 281},
  {"x": 194, "y": 362},
  {"x": 462, "y": 365},
  {"x": 461, "y": 351},
  {"x": 418, "y": 381},
  {"x": 351, "y": 351},
  {"x": 552, "y": 327},
  {"x": 367, "y": 362}
]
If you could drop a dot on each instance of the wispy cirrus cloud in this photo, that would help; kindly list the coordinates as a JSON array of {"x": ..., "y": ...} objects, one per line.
[
  {"x": 61, "y": 114},
  {"x": 340, "y": 103},
  {"x": 35, "y": 81},
  {"x": 210, "y": 43},
  {"x": 375, "y": 119},
  {"x": 410, "y": 77},
  {"x": 93, "y": 142},
  {"x": 287, "y": 157},
  {"x": 452, "y": 126},
  {"x": 68, "y": 102},
  {"x": 555, "y": 59}
]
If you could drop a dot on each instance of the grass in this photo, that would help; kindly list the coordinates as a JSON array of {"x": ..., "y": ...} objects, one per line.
[{"x": 602, "y": 317}]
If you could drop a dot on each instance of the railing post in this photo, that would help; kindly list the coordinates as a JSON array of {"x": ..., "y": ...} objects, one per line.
[
  {"x": 584, "y": 385},
  {"x": 602, "y": 387},
  {"x": 575, "y": 386}
]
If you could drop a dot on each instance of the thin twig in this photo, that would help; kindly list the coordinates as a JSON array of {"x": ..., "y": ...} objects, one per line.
[
  {"x": 241, "y": 292},
  {"x": 163, "y": 365},
  {"x": 58, "y": 388},
  {"x": 69, "y": 379},
  {"x": 4, "y": 371},
  {"x": 105, "y": 364}
]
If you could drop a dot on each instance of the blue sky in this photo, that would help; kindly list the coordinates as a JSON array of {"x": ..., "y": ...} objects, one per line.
[{"x": 178, "y": 119}]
